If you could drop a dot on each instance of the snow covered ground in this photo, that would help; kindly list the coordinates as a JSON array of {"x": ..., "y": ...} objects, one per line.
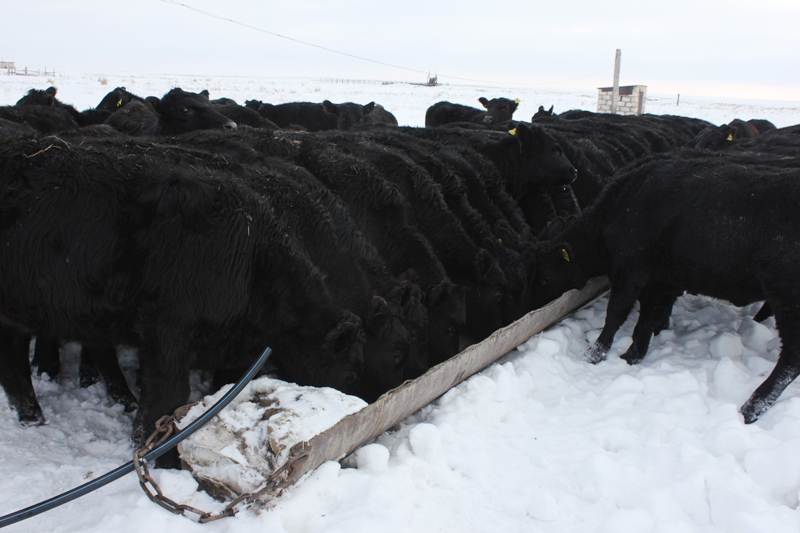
[
  {"x": 407, "y": 101},
  {"x": 540, "y": 441}
]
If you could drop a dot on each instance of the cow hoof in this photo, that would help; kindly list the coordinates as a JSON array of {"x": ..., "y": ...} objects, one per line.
[
  {"x": 752, "y": 410},
  {"x": 595, "y": 354},
  {"x": 31, "y": 420},
  {"x": 632, "y": 356}
]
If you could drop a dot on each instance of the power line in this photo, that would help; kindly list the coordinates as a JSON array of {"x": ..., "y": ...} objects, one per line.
[
  {"x": 220, "y": 17},
  {"x": 361, "y": 58}
]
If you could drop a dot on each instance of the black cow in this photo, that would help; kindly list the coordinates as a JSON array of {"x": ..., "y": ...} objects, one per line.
[
  {"x": 497, "y": 110},
  {"x": 379, "y": 115},
  {"x": 526, "y": 156},
  {"x": 244, "y": 116},
  {"x": 388, "y": 342},
  {"x": 717, "y": 138},
  {"x": 135, "y": 118},
  {"x": 176, "y": 112},
  {"x": 350, "y": 115},
  {"x": 384, "y": 216},
  {"x": 218, "y": 101},
  {"x": 542, "y": 113},
  {"x": 241, "y": 115},
  {"x": 189, "y": 265},
  {"x": 465, "y": 262},
  {"x": 489, "y": 217},
  {"x": 708, "y": 223},
  {"x": 39, "y": 118},
  {"x": 180, "y": 111},
  {"x": 47, "y": 99},
  {"x": 110, "y": 103},
  {"x": 306, "y": 116}
]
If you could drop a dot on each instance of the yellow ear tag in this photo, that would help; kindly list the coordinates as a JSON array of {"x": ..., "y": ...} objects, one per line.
[
  {"x": 119, "y": 102},
  {"x": 730, "y": 136},
  {"x": 512, "y": 132},
  {"x": 516, "y": 101},
  {"x": 565, "y": 255}
]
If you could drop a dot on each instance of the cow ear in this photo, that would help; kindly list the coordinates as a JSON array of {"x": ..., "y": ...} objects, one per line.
[
  {"x": 205, "y": 93},
  {"x": 330, "y": 107},
  {"x": 51, "y": 91},
  {"x": 344, "y": 338},
  {"x": 529, "y": 134},
  {"x": 516, "y": 104},
  {"x": 484, "y": 102},
  {"x": 156, "y": 104},
  {"x": 378, "y": 306},
  {"x": 379, "y": 313},
  {"x": 369, "y": 107}
]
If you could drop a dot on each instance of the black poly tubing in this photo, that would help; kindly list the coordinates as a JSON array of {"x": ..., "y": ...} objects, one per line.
[{"x": 157, "y": 452}]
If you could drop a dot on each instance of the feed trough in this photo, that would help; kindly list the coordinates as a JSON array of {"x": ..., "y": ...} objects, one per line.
[{"x": 275, "y": 432}]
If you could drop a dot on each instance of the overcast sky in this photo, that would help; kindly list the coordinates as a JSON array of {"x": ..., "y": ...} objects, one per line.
[{"x": 731, "y": 48}]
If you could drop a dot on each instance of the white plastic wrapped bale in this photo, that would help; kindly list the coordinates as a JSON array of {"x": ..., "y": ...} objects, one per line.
[{"x": 250, "y": 439}]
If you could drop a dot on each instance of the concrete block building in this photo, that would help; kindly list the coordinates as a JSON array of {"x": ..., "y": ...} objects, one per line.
[{"x": 631, "y": 99}]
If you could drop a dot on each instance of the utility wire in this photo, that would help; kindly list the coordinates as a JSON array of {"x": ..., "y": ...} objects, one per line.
[
  {"x": 220, "y": 17},
  {"x": 306, "y": 43}
]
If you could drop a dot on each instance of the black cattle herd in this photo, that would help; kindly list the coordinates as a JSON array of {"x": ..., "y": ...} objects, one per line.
[{"x": 201, "y": 231}]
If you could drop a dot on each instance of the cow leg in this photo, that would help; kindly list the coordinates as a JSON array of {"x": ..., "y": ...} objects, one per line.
[
  {"x": 163, "y": 387},
  {"x": 104, "y": 357},
  {"x": 625, "y": 289},
  {"x": 87, "y": 370},
  {"x": 786, "y": 369},
  {"x": 46, "y": 356},
  {"x": 15, "y": 376},
  {"x": 655, "y": 307}
]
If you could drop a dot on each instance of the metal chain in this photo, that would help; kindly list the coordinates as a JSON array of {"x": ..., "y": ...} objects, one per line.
[{"x": 166, "y": 426}]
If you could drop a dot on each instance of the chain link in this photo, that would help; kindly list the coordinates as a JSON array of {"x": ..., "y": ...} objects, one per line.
[{"x": 166, "y": 426}]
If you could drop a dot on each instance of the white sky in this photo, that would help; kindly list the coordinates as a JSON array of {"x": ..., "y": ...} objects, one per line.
[{"x": 731, "y": 48}]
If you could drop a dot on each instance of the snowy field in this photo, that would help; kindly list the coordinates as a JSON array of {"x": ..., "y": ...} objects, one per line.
[
  {"x": 406, "y": 101},
  {"x": 541, "y": 441}
]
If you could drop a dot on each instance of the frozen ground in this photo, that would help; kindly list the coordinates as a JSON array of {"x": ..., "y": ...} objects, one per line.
[{"x": 540, "y": 441}]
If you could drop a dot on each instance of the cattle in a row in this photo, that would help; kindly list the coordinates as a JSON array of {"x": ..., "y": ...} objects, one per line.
[{"x": 362, "y": 257}]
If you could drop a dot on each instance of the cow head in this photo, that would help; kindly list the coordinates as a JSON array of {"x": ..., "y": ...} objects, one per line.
[
  {"x": 558, "y": 270},
  {"x": 447, "y": 316},
  {"x": 484, "y": 298},
  {"x": 180, "y": 112},
  {"x": 409, "y": 300},
  {"x": 134, "y": 118},
  {"x": 46, "y": 97},
  {"x": 117, "y": 99},
  {"x": 542, "y": 113},
  {"x": 343, "y": 354},
  {"x": 713, "y": 138},
  {"x": 348, "y": 114},
  {"x": 386, "y": 350},
  {"x": 541, "y": 159},
  {"x": 498, "y": 109}
]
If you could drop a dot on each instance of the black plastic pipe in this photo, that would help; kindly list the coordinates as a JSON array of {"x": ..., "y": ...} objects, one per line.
[{"x": 155, "y": 453}]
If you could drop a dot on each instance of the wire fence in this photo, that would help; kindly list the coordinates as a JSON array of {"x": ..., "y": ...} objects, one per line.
[{"x": 29, "y": 72}]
